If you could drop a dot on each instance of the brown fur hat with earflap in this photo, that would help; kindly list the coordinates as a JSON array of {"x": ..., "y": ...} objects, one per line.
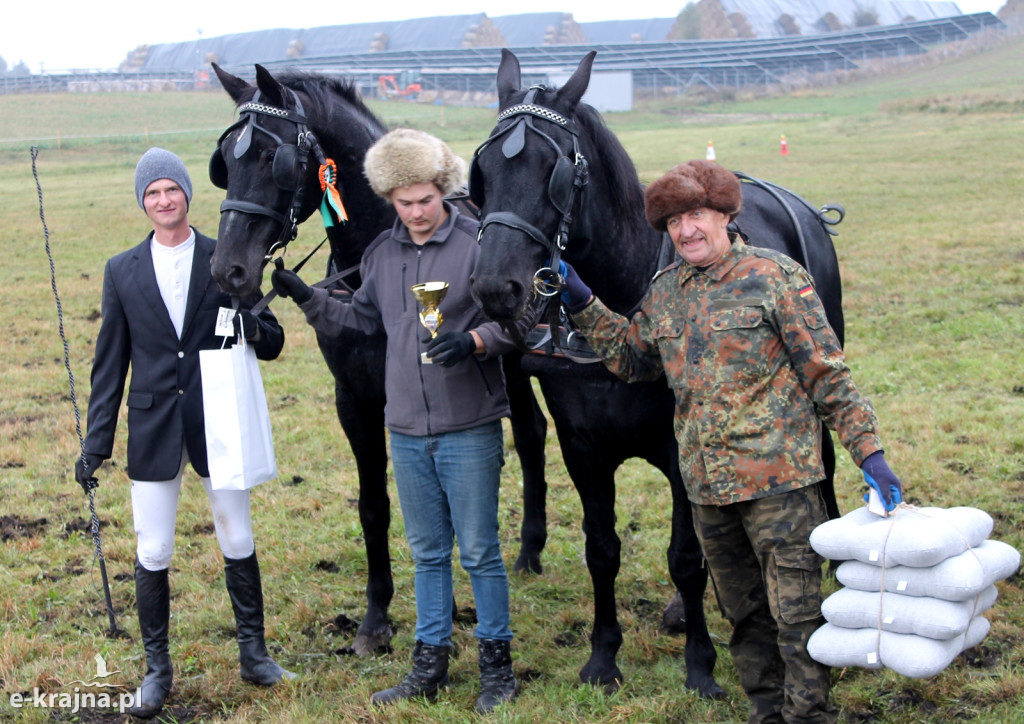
[
  {"x": 406, "y": 156},
  {"x": 693, "y": 185}
]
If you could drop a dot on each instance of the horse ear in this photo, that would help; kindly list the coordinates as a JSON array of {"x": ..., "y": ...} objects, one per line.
[
  {"x": 576, "y": 86},
  {"x": 234, "y": 85},
  {"x": 509, "y": 76},
  {"x": 273, "y": 92}
]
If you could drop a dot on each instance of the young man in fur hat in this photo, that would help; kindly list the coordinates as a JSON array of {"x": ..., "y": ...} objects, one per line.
[
  {"x": 743, "y": 341},
  {"x": 443, "y": 410},
  {"x": 160, "y": 308}
]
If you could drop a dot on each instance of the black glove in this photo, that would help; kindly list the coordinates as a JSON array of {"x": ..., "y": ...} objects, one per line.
[
  {"x": 451, "y": 347},
  {"x": 245, "y": 322},
  {"x": 85, "y": 472},
  {"x": 288, "y": 284},
  {"x": 575, "y": 294},
  {"x": 881, "y": 478}
]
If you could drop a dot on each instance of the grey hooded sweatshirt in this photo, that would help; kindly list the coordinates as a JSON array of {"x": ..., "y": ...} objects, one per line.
[{"x": 423, "y": 399}]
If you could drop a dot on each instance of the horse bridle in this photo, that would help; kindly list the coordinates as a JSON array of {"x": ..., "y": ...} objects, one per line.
[
  {"x": 565, "y": 187},
  {"x": 288, "y": 169}
]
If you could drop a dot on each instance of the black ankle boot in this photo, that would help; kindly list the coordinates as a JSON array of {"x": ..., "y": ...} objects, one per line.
[
  {"x": 429, "y": 674},
  {"x": 497, "y": 682},
  {"x": 242, "y": 576},
  {"x": 153, "y": 603}
]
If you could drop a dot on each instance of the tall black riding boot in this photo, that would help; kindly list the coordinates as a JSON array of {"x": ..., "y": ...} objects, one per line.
[
  {"x": 242, "y": 576},
  {"x": 429, "y": 674},
  {"x": 153, "y": 603},
  {"x": 497, "y": 682}
]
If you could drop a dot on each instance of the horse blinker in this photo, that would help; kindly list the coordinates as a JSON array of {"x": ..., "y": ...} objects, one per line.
[
  {"x": 218, "y": 170},
  {"x": 287, "y": 167}
]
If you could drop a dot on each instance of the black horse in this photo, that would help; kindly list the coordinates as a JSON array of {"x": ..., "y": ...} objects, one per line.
[
  {"x": 299, "y": 138},
  {"x": 551, "y": 179}
]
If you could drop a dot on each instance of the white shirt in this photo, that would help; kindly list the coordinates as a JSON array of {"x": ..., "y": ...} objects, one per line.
[{"x": 173, "y": 267}]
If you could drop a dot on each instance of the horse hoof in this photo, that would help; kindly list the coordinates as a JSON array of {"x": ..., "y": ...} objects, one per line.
[
  {"x": 528, "y": 564},
  {"x": 706, "y": 688},
  {"x": 673, "y": 618},
  {"x": 371, "y": 645},
  {"x": 609, "y": 683}
]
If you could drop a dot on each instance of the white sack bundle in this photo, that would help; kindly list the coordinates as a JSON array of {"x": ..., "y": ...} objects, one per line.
[
  {"x": 914, "y": 656},
  {"x": 932, "y": 618},
  {"x": 958, "y": 578},
  {"x": 918, "y": 537}
]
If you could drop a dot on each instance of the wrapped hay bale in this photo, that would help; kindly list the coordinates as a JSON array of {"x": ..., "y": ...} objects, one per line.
[
  {"x": 932, "y": 618},
  {"x": 916, "y": 582},
  {"x": 917, "y": 657},
  {"x": 959, "y": 578},
  {"x": 918, "y": 537}
]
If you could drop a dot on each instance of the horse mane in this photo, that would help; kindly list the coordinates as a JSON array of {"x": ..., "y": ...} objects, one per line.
[
  {"x": 324, "y": 92},
  {"x": 626, "y": 194}
]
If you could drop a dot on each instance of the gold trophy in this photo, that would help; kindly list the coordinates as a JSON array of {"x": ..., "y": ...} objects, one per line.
[{"x": 430, "y": 295}]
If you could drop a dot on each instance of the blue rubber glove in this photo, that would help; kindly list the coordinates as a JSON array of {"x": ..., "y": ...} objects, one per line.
[
  {"x": 450, "y": 348},
  {"x": 575, "y": 294},
  {"x": 878, "y": 475}
]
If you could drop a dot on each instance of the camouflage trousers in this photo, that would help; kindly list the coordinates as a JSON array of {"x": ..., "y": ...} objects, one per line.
[{"x": 768, "y": 582}]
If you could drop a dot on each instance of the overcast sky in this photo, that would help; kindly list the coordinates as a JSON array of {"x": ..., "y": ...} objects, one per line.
[{"x": 60, "y": 34}]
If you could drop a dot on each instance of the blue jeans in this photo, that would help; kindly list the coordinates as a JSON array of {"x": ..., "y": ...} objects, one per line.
[{"x": 448, "y": 487}]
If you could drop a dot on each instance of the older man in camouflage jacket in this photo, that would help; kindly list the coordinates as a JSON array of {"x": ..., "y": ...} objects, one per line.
[{"x": 742, "y": 339}]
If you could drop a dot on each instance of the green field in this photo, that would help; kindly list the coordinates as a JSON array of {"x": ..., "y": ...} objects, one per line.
[{"x": 929, "y": 164}]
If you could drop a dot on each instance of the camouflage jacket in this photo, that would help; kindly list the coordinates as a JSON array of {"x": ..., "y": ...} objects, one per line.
[{"x": 747, "y": 350}]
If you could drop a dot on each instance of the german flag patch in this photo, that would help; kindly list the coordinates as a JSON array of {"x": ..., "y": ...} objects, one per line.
[{"x": 806, "y": 291}]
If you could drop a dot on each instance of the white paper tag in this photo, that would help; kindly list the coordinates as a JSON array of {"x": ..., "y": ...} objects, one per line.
[
  {"x": 875, "y": 504},
  {"x": 901, "y": 586},
  {"x": 888, "y": 619},
  {"x": 224, "y": 327},
  {"x": 873, "y": 555},
  {"x": 873, "y": 657}
]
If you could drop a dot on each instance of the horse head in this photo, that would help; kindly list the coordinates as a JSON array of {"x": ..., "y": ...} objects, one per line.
[
  {"x": 549, "y": 180},
  {"x": 264, "y": 163},
  {"x": 527, "y": 178}
]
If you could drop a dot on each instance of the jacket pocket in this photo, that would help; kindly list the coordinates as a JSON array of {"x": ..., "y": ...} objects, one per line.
[
  {"x": 739, "y": 318},
  {"x": 668, "y": 336},
  {"x": 815, "y": 318},
  {"x": 741, "y": 339},
  {"x": 140, "y": 400}
]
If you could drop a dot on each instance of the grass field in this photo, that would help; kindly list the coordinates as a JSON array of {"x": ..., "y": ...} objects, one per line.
[{"x": 928, "y": 164}]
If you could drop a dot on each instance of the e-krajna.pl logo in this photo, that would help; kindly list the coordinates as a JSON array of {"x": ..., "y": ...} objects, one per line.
[{"x": 107, "y": 696}]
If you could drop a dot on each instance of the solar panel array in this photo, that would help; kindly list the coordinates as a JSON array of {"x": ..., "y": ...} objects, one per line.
[{"x": 733, "y": 62}]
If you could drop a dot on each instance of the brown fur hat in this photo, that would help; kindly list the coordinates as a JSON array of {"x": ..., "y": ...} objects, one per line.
[
  {"x": 693, "y": 185},
  {"x": 406, "y": 156}
]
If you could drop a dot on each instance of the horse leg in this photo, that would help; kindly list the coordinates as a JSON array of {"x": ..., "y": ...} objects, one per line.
[
  {"x": 594, "y": 479},
  {"x": 362, "y": 420},
  {"x": 686, "y": 567},
  {"x": 529, "y": 431},
  {"x": 603, "y": 551}
]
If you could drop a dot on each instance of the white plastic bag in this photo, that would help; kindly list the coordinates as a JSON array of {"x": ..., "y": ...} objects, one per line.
[{"x": 239, "y": 442}]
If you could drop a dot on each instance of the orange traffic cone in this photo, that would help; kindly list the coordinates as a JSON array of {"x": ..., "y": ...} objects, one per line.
[
  {"x": 710, "y": 155},
  {"x": 783, "y": 146}
]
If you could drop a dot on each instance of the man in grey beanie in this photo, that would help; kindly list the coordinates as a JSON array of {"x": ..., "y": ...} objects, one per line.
[
  {"x": 156, "y": 164},
  {"x": 160, "y": 308}
]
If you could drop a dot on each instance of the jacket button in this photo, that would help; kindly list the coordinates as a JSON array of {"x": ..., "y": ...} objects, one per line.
[
  {"x": 180, "y": 354},
  {"x": 181, "y": 392}
]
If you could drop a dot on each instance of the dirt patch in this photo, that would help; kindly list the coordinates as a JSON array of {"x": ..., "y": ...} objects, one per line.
[
  {"x": 14, "y": 526},
  {"x": 84, "y": 526}
]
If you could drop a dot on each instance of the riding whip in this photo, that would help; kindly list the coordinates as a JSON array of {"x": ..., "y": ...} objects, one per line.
[{"x": 97, "y": 544}]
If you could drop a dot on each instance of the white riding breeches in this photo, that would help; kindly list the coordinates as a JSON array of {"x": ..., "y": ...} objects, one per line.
[{"x": 155, "y": 509}]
